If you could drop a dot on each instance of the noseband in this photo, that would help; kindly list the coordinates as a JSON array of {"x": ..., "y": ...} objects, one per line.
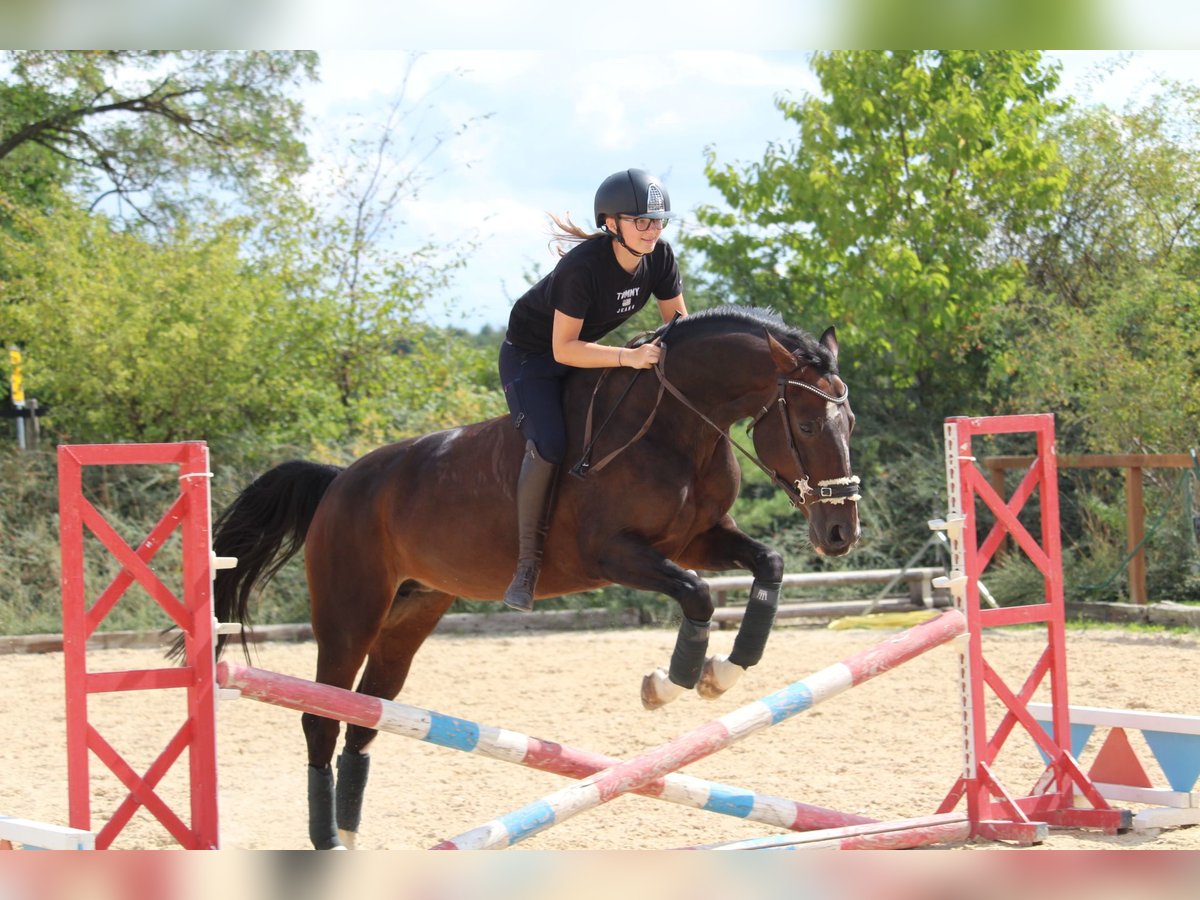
[{"x": 834, "y": 491}]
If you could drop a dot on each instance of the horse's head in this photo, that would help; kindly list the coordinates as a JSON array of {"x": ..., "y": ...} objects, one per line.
[{"x": 803, "y": 435}]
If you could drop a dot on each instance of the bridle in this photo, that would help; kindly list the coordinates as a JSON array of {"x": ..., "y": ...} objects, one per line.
[
  {"x": 800, "y": 493},
  {"x": 834, "y": 491}
]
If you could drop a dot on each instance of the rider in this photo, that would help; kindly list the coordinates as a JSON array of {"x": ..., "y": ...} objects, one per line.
[{"x": 599, "y": 283}]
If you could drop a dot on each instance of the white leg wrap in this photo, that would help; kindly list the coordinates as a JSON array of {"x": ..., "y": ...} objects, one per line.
[
  {"x": 658, "y": 690},
  {"x": 718, "y": 676}
]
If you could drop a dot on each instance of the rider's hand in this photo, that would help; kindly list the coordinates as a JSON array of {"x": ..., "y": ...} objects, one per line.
[{"x": 642, "y": 357}]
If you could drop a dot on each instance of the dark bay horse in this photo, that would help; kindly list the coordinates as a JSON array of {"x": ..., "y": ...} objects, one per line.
[{"x": 392, "y": 539}]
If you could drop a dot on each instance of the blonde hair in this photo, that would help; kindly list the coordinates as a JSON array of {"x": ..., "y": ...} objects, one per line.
[{"x": 566, "y": 233}]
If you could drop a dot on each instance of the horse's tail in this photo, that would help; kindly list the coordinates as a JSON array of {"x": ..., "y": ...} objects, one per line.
[{"x": 264, "y": 527}]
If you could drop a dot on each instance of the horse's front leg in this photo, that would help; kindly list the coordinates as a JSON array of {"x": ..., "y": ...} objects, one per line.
[
  {"x": 725, "y": 547},
  {"x": 629, "y": 561}
]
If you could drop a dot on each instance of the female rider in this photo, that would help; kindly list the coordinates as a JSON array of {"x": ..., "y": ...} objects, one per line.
[{"x": 603, "y": 280}]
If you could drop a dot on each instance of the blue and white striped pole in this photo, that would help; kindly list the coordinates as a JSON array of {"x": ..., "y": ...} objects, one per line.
[{"x": 634, "y": 774}]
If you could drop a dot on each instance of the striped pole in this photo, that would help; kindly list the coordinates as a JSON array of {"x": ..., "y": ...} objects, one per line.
[
  {"x": 707, "y": 739},
  {"x": 901, "y": 834},
  {"x": 514, "y": 747}
]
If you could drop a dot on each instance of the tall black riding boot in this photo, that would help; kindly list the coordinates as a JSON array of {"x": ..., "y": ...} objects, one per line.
[{"x": 534, "y": 498}]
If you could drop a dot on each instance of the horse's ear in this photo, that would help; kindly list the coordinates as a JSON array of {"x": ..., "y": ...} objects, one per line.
[
  {"x": 829, "y": 341},
  {"x": 784, "y": 360}
]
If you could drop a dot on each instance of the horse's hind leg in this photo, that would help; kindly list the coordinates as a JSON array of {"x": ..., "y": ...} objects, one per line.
[
  {"x": 347, "y": 615},
  {"x": 412, "y": 619},
  {"x": 321, "y": 733}
]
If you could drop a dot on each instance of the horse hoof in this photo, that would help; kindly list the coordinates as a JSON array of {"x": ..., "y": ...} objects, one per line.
[
  {"x": 658, "y": 690},
  {"x": 717, "y": 676},
  {"x": 349, "y": 839}
]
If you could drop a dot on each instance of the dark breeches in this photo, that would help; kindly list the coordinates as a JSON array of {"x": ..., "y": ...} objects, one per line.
[{"x": 533, "y": 389}]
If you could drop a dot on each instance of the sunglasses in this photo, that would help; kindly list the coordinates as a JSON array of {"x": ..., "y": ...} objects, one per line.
[{"x": 644, "y": 223}]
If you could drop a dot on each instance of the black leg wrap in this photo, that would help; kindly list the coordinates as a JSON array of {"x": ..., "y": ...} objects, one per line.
[
  {"x": 691, "y": 646},
  {"x": 321, "y": 830},
  {"x": 756, "y": 624},
  {"x": 352, "y": 769}
]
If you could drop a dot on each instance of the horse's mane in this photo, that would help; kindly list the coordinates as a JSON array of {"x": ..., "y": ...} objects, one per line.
[{"x": 808, "y": 350}]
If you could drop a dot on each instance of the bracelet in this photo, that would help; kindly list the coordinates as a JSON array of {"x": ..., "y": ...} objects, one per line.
[{"x": 619, "y": 352}]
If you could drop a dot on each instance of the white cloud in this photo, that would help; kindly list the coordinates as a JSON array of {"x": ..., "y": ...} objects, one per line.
[
  {"x": 731, "y": 68},
  {"x": 1116, "y": 78},
  {"x": 601, "y": 117},
  {"x": 1161, "y": 23}
]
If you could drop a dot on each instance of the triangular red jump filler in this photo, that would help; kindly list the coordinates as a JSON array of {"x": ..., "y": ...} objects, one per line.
[{"x": 1116, "y": 763}]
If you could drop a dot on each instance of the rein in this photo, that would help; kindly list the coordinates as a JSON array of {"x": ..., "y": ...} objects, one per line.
[
  {"x": 834, "y": 490},
  {"x": 587, "y": 426}
]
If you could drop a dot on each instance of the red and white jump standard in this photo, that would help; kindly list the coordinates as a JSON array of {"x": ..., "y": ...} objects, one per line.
[{"x": 993, "y": 811}]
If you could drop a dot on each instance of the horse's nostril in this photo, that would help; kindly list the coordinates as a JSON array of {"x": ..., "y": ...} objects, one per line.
[{"x": 835, "y": 536}]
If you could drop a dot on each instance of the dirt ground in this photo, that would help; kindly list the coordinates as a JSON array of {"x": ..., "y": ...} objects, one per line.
[{"x": 890, "y": 748}]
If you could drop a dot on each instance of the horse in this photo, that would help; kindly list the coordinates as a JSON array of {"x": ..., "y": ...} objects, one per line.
[{"x": 391, "y": 540}]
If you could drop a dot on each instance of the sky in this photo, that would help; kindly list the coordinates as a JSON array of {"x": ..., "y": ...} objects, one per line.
[{"x": 557, "y": 123}]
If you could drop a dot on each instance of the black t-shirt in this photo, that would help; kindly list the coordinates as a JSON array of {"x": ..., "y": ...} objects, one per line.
[{"x": 588, "y": 283}]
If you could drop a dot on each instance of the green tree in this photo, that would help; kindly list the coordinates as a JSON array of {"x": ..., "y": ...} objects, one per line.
[
  {"x": 1118, "y": 270},
  {"x": 145, "y": 128},
  {"x": 28, "y": 175},
  {"x": 888, "y": 215},
  {"x": 297, "y": 324},
  {"x": 127, "y": 340},
  {"x": 882, "y": 216}
]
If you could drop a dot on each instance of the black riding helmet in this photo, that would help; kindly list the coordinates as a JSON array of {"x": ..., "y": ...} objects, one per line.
[{"x": 632, "y": 193}]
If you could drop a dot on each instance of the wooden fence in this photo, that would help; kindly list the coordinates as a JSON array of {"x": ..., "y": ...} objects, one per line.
[{"x": 1134, "y": 465}]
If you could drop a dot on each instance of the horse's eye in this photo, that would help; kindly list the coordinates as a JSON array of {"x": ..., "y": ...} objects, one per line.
[{"x": 807, "y": 427}]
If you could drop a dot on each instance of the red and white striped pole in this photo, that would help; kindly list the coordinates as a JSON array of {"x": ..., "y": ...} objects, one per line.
[
  {"x": 707, "y": 739},
  {"x": 514, "y": 747}
]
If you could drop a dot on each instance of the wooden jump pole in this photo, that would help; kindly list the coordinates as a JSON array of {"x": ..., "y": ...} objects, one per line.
[
  {"x": 709, "y": 738},
  {"x": 900, "y": 834},
  {"x": 1174, "y": 744},
  {"x": 43, "y": 835},
  {"x": 514, "y": 747}
]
